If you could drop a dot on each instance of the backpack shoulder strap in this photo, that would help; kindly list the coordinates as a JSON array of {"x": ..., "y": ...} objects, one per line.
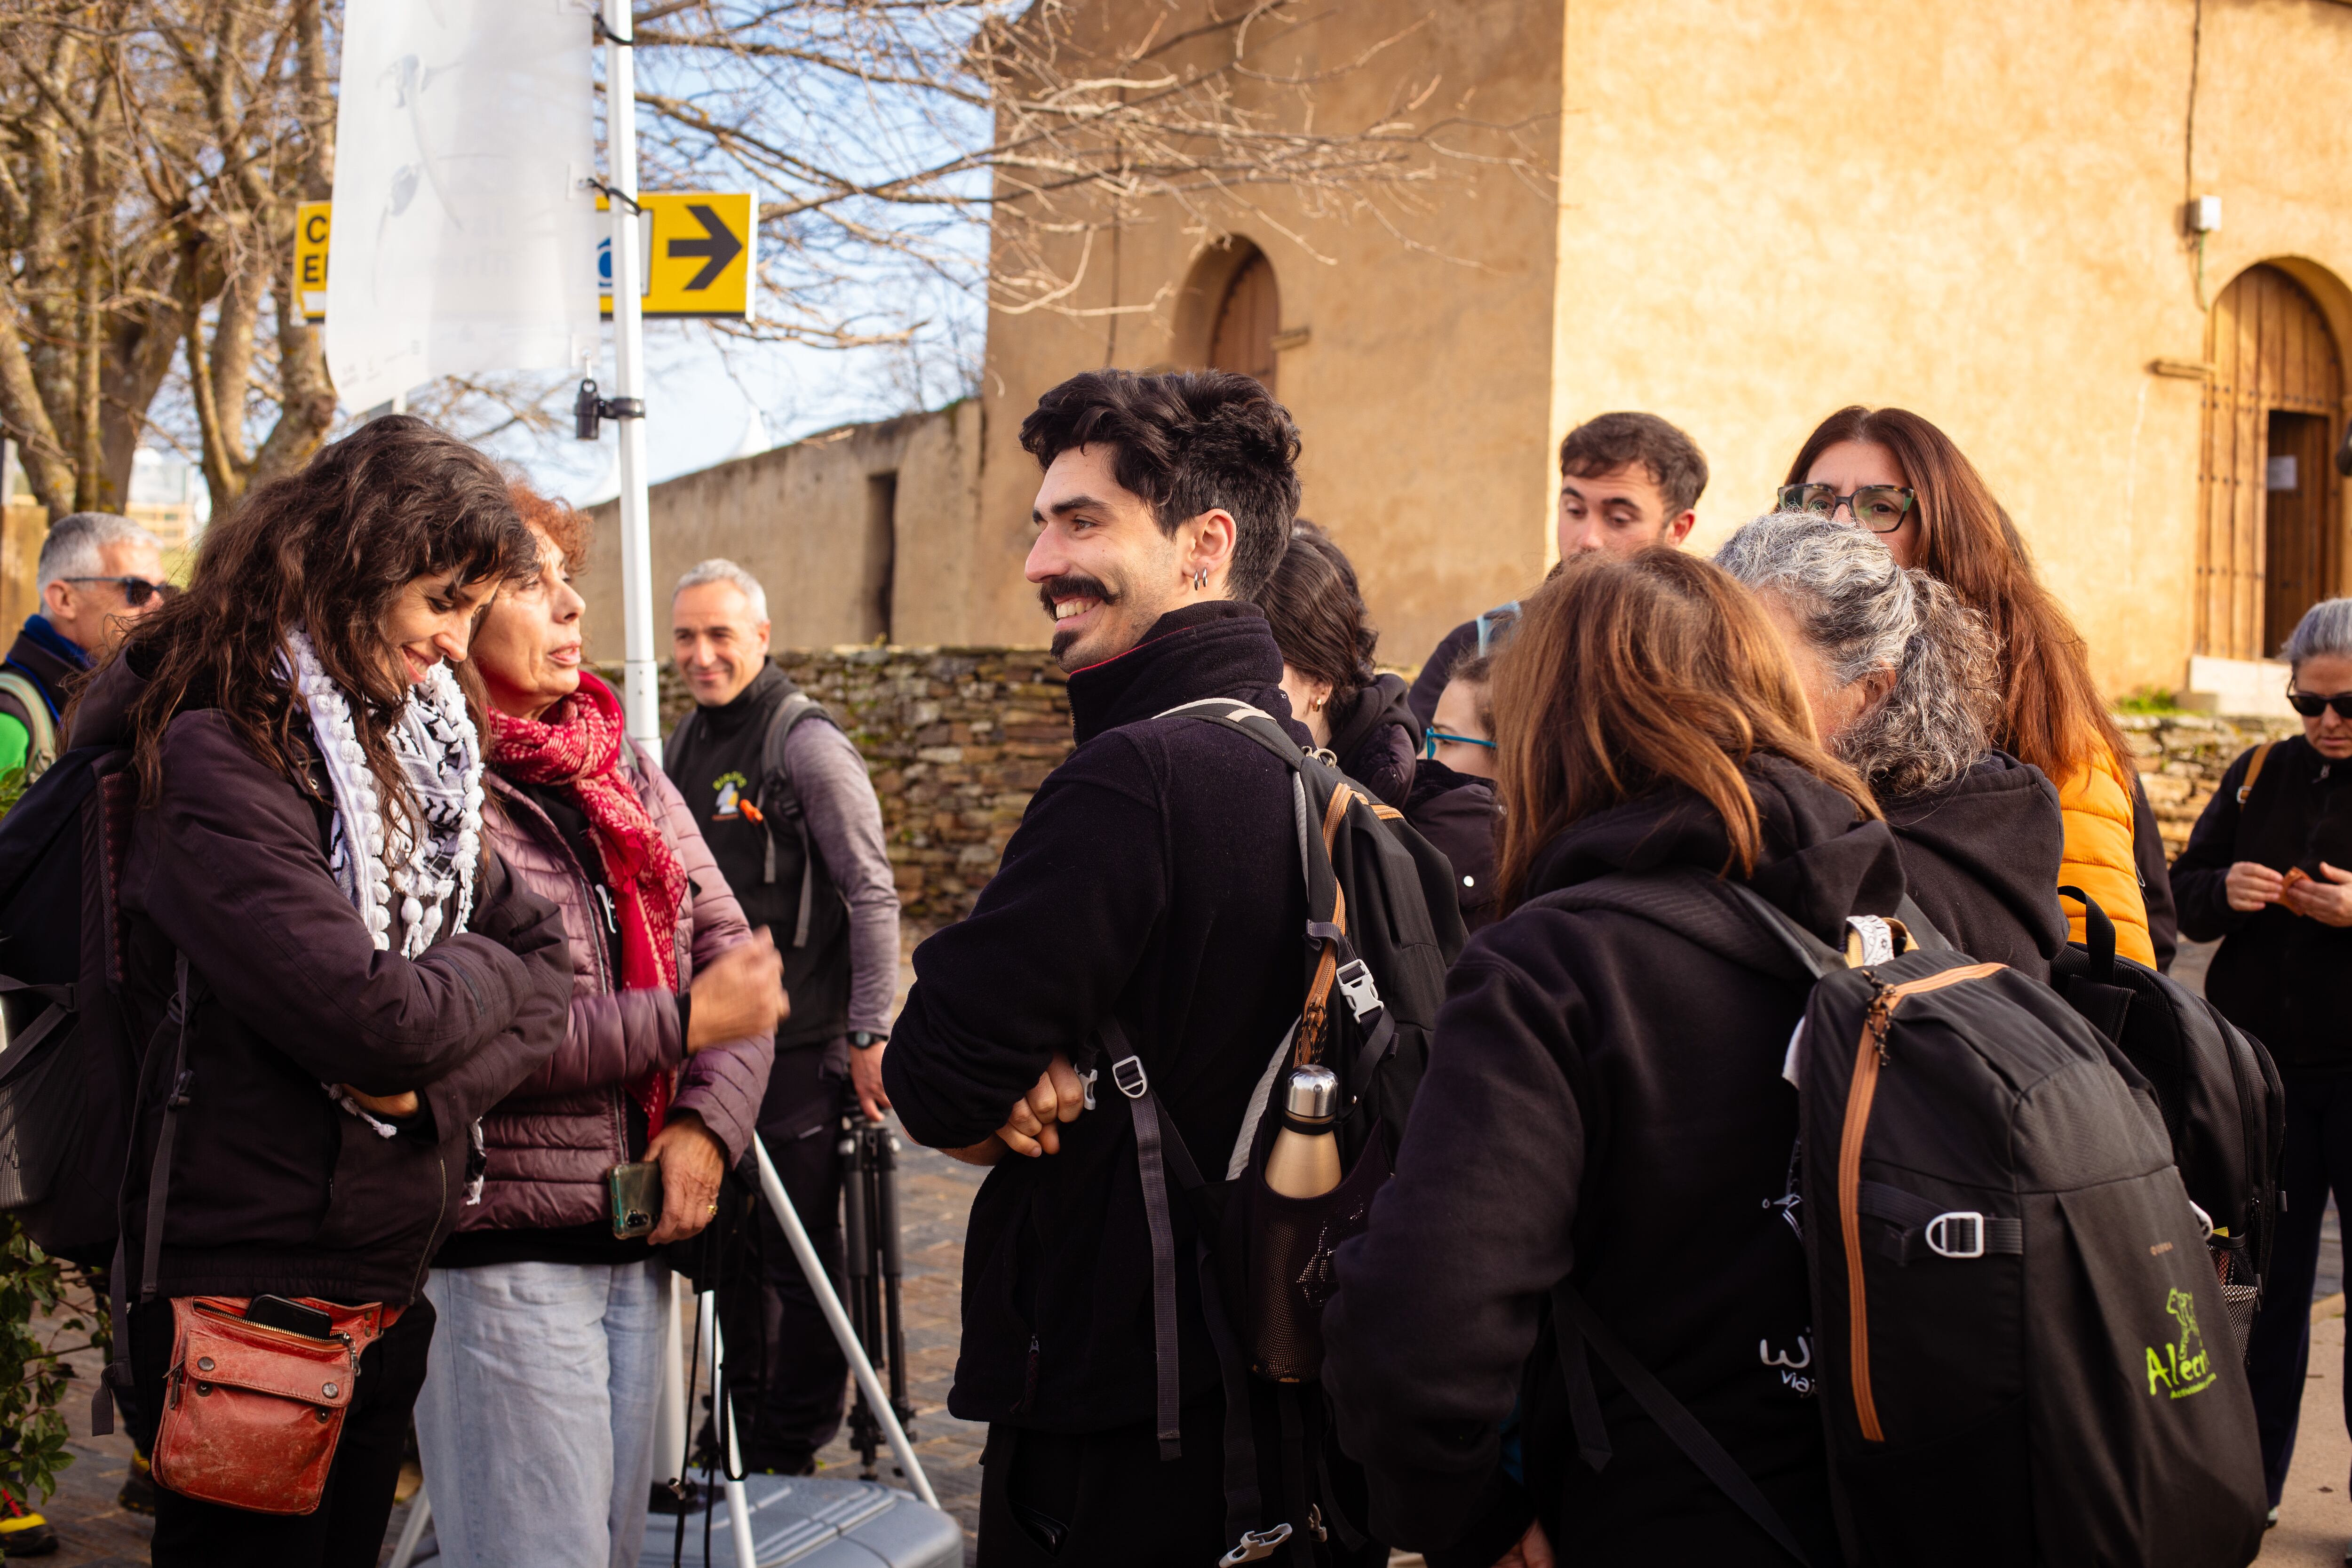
[
  {"x": 1672, "y": 1417},
  {"x": 776, "y": 793},
  {"x": 39, "y": 723},
  {"x": 2254, "y": 770},
  {"x": 159, "y": 1186}
]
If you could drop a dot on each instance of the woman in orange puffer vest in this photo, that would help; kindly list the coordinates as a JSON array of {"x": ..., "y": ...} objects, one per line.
[{"x": 1897, "y": 475}]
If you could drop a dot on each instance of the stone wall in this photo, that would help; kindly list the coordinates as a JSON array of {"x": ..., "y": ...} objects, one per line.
[
  {"x": 2182, "y": 756},
  {"x": 958, "y": 739}
]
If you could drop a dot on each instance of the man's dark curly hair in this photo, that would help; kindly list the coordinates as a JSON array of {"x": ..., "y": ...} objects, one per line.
[{"x": 1187, "y": 442}]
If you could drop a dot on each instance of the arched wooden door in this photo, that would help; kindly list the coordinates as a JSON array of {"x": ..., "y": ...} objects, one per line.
[
  {"x": 1247, "y": 319},
  {"x": 2271, "y": 544}
]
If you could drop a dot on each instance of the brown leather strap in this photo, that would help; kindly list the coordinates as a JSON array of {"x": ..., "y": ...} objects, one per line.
[
  {"x": 1309, "y": 1046},
  {"x": 2254, "y": 770}
]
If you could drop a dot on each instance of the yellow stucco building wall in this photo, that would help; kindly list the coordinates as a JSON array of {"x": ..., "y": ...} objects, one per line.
[
  {"x": 1739, "y": 217},
  {"x": 1762, "y": 212}
]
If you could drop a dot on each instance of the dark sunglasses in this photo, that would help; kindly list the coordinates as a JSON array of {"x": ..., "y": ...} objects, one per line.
[
  {"x": 136, "y": 590},
  {"x": 1431, "y": 737},
  {"x": 1878, "y": 508},
  {"x": 2311, "y": 705}
]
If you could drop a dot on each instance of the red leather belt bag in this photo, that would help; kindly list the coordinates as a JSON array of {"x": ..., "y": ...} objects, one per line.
[{"x": 252, "y": 1414}]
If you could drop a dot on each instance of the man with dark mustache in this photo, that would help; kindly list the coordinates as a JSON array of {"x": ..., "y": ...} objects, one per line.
[{"x": 1154, "y": 881}]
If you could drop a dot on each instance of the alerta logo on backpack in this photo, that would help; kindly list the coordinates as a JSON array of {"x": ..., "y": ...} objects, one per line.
[
  {"x": 730, "y": 803},
  {"x": 2184, "y": 1366}
]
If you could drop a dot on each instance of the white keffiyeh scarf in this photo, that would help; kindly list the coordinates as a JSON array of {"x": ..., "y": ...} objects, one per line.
[{"x": 422, "y": 883}]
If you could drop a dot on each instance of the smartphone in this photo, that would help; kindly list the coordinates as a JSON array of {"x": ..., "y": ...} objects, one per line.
[
  {"x": 636, "y": 1195},
  {"x": 278, "y": 1312}
]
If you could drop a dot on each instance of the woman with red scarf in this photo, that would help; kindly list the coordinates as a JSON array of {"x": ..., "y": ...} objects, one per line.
[{"x": 536, "y": 1423}]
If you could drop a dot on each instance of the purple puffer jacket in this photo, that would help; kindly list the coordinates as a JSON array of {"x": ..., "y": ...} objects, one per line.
[{"x": 550, "y": 1142}]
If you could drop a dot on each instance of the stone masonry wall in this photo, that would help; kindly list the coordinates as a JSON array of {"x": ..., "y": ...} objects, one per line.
[
  {"x": 2181, "y": 758},
  {"x": 958, "y": 739}
]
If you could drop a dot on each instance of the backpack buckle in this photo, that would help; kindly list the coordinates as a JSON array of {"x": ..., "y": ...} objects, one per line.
[
  {"x": 1960, "y": 1233},
  {"x": 1128, "y": 1073},
  {"x": 1355, "y": 984},
  {"x": 1255, "y": 1545},
  {"x": 1087, "y": 1079}
]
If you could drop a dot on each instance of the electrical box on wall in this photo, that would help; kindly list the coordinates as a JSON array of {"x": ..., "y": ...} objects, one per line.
[{"x": 2204, "y": 214}]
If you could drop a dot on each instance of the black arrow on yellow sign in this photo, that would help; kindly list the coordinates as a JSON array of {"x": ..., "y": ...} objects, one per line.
[{"x": 718, "y": 246}]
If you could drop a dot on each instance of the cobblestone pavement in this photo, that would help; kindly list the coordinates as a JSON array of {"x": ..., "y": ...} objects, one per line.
[{"x": 934, "y": 1197}]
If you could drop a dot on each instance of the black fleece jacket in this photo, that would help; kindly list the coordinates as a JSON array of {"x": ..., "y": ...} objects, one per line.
[
  {"x": 1459, "y": 814},
  {"x": 1603, "y": 1101},
  {"x": 2277, "y": 971},
  {"x": 274, "y": 1187},
  {"x": 1981, "y": 857},
  {"x": 1155, "y": 878}
]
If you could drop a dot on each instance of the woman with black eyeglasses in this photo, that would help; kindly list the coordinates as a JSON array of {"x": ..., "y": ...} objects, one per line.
[
  {"x": 2269, "y": 871},
  {"x": 1894, "y": 473}
]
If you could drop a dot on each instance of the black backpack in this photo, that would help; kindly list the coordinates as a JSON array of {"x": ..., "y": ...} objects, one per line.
[
  {"x": 69, "y": 1075},
  {"x": 2012, "y": 1294},
  {"x": 776, "y": 795},
  {"x": 1382, "y": 928},
  {"x": 2224, "y": 1107}
]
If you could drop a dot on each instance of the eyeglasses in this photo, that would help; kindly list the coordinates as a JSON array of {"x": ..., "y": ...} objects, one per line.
[
  {"x": 2311, "y": 705},
  {"x": 1431, "y": 737},
  {"x": 137, "y": 591},
  {"x": 1878, "y": 508}
]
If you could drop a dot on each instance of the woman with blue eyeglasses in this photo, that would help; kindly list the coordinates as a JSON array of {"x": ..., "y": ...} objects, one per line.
[
  {"x": 2269, "y": 871},
  {"x": 1453, "y": 802}
]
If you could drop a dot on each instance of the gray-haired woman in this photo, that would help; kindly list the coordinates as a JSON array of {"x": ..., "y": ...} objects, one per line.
[
  {"x": 1904, "y": 686},
  {"x": 2269, "y": 871}
]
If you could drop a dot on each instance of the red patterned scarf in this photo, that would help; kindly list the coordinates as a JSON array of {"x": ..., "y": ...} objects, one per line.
[{"x": 578, "y": 745}]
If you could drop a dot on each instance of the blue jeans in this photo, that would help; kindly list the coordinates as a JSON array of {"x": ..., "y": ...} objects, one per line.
[{"x": 537, "y": 1419}]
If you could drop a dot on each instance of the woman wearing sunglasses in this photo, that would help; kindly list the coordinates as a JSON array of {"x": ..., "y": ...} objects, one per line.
[
  {"x": 1892, "y": 472},
  {"x": 2269, "y": 871}
]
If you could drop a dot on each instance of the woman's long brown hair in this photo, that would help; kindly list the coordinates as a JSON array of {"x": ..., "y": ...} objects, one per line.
[
  {"x": 2051, "y": 712},
  {"x": 329, "y": 549},
  {"x": 1624, "y": 677}
]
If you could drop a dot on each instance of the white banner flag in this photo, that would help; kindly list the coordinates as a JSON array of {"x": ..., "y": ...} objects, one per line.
[{"x": 464, "y": 129}]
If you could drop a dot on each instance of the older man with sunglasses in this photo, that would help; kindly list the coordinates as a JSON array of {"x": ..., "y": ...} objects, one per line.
[{"x": 98, "y": 573}]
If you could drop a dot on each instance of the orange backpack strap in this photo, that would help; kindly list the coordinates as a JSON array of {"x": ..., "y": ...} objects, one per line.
[{"x": 2254, "y": 770}]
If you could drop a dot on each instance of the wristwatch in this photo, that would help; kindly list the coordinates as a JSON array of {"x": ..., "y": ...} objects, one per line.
[{"x": 864, "y": 1040}]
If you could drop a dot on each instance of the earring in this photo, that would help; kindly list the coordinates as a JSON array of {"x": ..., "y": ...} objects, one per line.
[{"x": 1200, "y": 579}]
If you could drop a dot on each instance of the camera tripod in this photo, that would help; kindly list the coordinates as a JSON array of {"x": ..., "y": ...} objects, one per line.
[{"x": 869, "y": 1204}]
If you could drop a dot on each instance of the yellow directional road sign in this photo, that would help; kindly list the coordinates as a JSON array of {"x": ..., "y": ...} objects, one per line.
[
  {"x": 311, "y": 258},
  {"x": 695, "y": 250},
  {"x": 696, "y": 255}
]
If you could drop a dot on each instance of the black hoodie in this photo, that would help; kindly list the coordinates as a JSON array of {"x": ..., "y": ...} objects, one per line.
[
  {"x": 1376, "y": 739},
  {"x": 1981, "y": 857},
  {"x": 1155, "y": 875},
  {"x": 1604, "y": 1100}
]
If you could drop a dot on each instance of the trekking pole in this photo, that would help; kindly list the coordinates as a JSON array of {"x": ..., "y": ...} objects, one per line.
[
  {"x": 886, "y": 1210},
  {"x": 858, "y": 1275},
  {"x": 773, "y": 1187}
]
